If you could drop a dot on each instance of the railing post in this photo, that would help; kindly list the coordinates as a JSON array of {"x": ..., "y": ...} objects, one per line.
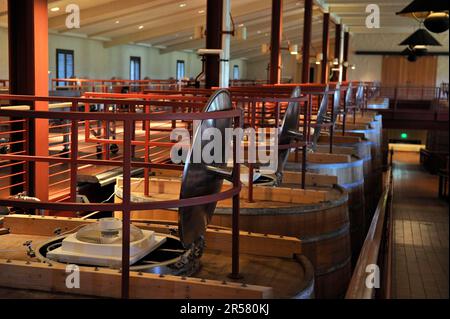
[
  {"x": 126, "y": 209},
  {"x": 74, "y": 155},
  {"x": 235, "y": 272}
]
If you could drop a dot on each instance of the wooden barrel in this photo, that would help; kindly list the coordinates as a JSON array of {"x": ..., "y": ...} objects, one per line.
[
  {"x": 323, "y": 228},
  {"x": 356, "y": 145},
  {"x": 350, "y": 175},
  {"x": 318, "y": 216},
  {"x": 277, "y": 273},
  {"x": 372, "y": 132}
]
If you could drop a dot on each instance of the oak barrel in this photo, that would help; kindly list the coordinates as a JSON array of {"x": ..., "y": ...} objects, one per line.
[
  {"x": 318, "y": 216},
  {"x": 349, "y": 171},
  {"x": 359, "y": 146},
  {"x": 371, "y": 127}
]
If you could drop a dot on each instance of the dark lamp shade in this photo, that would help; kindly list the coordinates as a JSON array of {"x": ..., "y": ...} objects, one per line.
[
  {"x": 437, "y": 22},
  {"x": 420, "y": 37},
  {"x": 422, "y": 8}
]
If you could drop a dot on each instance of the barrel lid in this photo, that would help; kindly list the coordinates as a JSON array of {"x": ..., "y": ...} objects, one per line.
[{"x": 197, "y": 180}]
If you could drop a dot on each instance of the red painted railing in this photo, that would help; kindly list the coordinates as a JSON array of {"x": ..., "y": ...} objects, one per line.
[{"x": 74, "y": 116}]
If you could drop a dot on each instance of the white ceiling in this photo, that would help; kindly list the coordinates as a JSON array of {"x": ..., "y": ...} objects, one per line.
[{"x": 170, "y": 27}]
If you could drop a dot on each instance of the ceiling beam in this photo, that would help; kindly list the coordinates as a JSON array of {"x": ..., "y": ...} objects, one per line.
[
  {"x": 152, "y": 19},
  {"x": 290, "y": 23},
  {"x": 188, "y": 21},
  {"x": 112, "y": 10}
]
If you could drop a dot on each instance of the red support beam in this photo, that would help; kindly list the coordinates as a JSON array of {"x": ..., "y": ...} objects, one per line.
[
  {"x": 337, "y": 49},
  {"x": 325, "y": 47},
  {"x": 214, "y": 23},
  {"x": 346, "y": 50},
  {"x": 307, "y": 30},
  {"x": 275, "y": 42},
  {"x": 28, "y": 74}
]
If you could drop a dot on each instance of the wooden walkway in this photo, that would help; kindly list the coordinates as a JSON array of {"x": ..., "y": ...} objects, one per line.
[{"x": 421, "y": 236}]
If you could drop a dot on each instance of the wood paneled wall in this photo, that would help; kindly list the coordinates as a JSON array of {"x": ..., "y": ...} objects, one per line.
[{"x": 398, "y": 71}]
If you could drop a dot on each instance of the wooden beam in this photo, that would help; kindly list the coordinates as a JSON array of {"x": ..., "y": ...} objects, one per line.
[
  {"x": 106, "y": 283},
  {"x": 275, "y": 42},
  {"x": 325, "y": 48},
  {"x": 307, "y": 31},
  {"x": 214, "y": 28},
  {"x": 28, "y": 75},
  {"x": 217, "y": 239}
]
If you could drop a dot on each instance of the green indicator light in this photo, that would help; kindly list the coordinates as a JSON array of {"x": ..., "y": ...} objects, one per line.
[{"x": 404, "y": 136}]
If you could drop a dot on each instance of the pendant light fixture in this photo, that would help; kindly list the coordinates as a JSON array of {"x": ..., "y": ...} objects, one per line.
[{"x": 432, "y": 13}]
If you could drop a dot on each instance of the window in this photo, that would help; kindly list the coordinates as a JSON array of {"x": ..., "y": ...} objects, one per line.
[
  {"x": 135, "y": 68},
  {"x": 65, "y": 67},
  {"x": 236, "y": 72},
  {"x": 180, "y": 70},
  {"x": 312, "y": 74}
]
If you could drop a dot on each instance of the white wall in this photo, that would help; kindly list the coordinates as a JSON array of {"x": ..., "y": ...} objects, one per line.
[
  {"x": 4, "y": 54},
  {"x": 290, "y": 68},
  {"x": 369, "y": 68},
  {"x": 94, "y": 61}
]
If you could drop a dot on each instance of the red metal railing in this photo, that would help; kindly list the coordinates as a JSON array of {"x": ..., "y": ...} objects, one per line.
[
  {"x": 407, "y": 93},
  {"x": 113, "y": 86},
  {"x": 129, "y": 119}
]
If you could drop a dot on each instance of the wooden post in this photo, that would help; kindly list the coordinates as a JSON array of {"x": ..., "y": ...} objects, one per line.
[
  {"x": 307, "y": 39},
  {"x": 346, "y": 48},
  {"x": 275, "y": 42},
  {"x": 325, "y": 47},
  {"x": 28, "y": 74},
  {"x": 337, "y": 50},
  {"x": 214, "y": 13}
]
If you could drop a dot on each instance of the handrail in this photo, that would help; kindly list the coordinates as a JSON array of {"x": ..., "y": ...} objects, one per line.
[
  {"x": 126, "y": 163},
  {"x": 377, "y": 250}
]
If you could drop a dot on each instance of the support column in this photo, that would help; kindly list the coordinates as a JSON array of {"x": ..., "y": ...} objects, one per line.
[
  {"x": 337, "y": 50},
  {"x": 275, "y": 42},
  {"x": 226, "y": 43},
  {"x": 214, "y": 16},
  {"x": 28, "y": 74},
  {"x": 345, "y": 58},
  {"x": 325, "y": 47},
  {"x": 307, "y": 39}
]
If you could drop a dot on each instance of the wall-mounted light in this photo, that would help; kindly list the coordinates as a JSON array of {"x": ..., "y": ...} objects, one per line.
[
  {"x": 241, "y": 33},
  {"x": 293, "y": 49},
  {"x": 199, "y": 32}
]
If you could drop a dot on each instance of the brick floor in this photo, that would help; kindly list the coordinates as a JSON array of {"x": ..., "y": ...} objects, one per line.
[{"x": 421, "y": 235}]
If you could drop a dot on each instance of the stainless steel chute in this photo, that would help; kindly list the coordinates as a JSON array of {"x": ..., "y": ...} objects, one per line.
[{"x": 198, "y": 179}]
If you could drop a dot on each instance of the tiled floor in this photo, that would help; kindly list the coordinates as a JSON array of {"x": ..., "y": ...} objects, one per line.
[{"x": 421, "y": 254}]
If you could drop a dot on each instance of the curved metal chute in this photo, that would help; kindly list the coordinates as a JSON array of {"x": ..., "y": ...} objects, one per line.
[
  {"x": 197, "y": 179},
  {"x": 336, "y": 103},
  {"x": 320, "y": 117},
  {"x": 288, "y": 128}
]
